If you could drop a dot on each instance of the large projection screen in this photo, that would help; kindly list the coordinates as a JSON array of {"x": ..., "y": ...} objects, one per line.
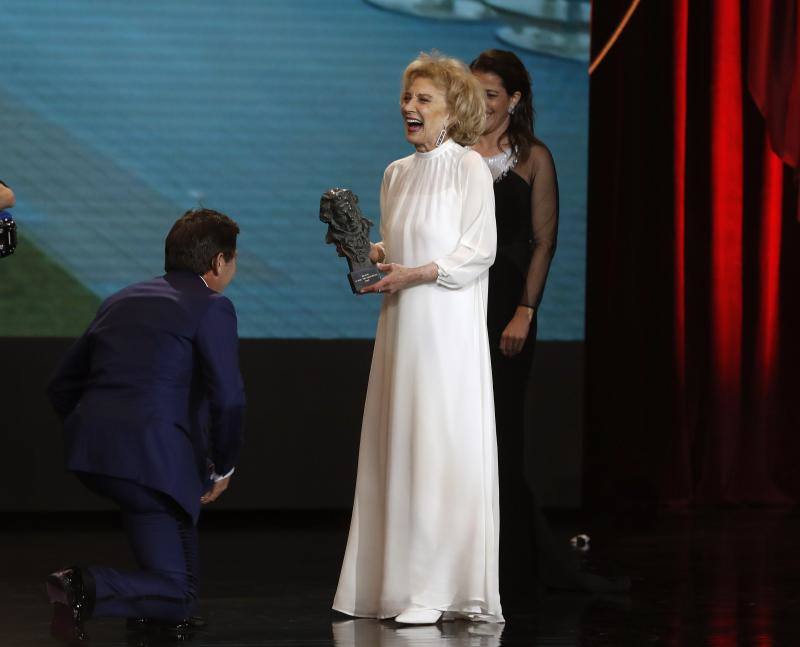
[{"x": 115, "y": 117}]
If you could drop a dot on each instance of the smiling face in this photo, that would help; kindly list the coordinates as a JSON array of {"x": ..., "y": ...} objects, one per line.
[
  {"x": 423, "y": 106},
  {"x": 498, "y": 102}
]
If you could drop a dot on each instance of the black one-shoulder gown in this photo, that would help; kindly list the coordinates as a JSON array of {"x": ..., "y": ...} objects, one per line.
[{"x": 527, "y": 224}]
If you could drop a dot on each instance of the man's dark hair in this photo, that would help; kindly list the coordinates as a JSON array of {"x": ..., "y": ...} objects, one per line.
[{"x": 196, "y": 238}]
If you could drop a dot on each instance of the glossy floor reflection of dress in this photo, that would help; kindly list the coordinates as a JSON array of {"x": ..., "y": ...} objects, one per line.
[{"x": 374, "y": 633}]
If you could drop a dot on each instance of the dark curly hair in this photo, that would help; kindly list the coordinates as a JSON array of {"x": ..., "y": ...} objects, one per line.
[{"x": 515, "y": 78}]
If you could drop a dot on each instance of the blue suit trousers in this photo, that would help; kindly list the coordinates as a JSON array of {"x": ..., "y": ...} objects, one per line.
[{"x": 165, "y": 544}]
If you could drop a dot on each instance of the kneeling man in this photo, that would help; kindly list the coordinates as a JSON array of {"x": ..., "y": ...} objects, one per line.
[{"x": 152, "y": 403}]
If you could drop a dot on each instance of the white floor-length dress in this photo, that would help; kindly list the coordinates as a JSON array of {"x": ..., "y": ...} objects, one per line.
[{"x": 424, "y": 530}]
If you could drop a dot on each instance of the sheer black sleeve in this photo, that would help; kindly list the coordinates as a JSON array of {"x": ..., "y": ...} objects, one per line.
[{"x": 544, "y": 224}]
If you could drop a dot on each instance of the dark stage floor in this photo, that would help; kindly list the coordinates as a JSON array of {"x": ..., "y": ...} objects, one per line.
[{"x": 710, "y": 577}]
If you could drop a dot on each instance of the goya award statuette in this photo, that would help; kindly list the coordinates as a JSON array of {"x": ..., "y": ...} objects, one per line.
[{"x": 348, "y": 229}]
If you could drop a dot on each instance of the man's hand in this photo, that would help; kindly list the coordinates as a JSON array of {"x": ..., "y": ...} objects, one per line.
[{"x": 218, "y": 488}]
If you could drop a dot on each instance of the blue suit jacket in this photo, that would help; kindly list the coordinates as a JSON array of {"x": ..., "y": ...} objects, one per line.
[{"x": 152, "y": 391}]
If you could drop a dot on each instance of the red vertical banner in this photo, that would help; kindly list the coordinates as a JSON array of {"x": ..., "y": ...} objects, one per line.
[
  {"x": 726, "y": 246},
  {"x": 681, "y": 487},
  {"x": 769, "y": 280},
  {"x": 768, "y": 329},
  {"x": 758, "y": 483},
  {"x": 754, "y": 480}
]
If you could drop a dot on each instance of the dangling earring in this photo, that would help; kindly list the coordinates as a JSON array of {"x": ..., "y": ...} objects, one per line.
[
  {"x": 441, "y": 137},
  {"x": 511, "y": 109}
]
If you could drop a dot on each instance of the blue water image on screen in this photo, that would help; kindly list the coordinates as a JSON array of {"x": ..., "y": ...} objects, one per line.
[{"x": 117, "y": 116}]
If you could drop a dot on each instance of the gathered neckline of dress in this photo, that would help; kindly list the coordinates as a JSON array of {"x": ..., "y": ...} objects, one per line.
[{"x": 440, "y": 149}]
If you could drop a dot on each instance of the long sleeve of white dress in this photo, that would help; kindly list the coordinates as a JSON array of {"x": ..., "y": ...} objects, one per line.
[{"x": 475, "y": 252}]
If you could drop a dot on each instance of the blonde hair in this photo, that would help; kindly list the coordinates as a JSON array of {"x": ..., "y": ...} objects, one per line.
[{"x": 463, "y": 93}]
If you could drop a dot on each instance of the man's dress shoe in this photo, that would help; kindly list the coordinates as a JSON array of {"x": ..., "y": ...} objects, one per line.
[{"x": 71, "y": 592}]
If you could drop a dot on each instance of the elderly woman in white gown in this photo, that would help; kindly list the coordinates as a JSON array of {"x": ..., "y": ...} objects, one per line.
[{"x": 423, "y": 539}]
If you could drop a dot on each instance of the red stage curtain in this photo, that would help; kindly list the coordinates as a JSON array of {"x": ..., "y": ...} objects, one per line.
[
  {"x": 693, "y": 360},
  {"x": 773, "y": 72}
]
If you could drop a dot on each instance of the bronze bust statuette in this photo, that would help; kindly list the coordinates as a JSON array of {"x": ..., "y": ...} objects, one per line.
[{"x": 348, "y": 229}]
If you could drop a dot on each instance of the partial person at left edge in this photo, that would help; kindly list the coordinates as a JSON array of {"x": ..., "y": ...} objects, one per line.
[
  {"x": 8, "y": 228},
  {"x": 7, "y": 199},
  {"x": 152, "y": 404}
]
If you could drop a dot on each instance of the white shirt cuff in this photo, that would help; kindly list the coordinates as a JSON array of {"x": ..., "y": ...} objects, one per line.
[{"x": 216, "y": 477}]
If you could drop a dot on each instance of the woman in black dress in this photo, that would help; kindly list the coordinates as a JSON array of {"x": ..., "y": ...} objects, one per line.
[{"x": 526, "y": 209}]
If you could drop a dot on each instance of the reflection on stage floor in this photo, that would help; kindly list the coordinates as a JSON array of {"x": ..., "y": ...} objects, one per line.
[{"x": 706, "y": 577}]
